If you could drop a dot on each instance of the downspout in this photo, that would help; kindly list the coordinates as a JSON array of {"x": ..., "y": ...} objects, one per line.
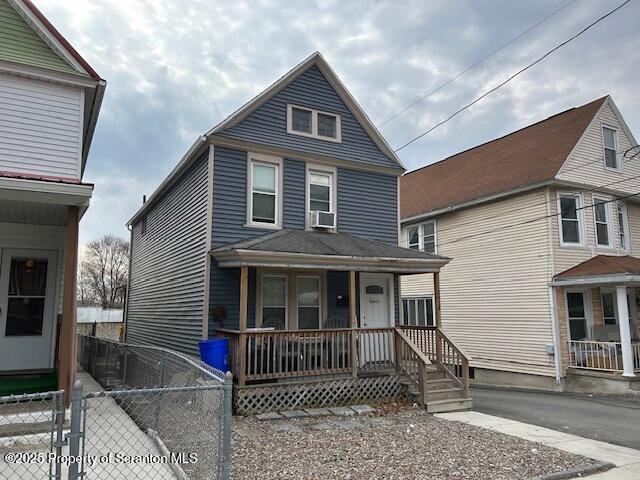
[
  {"x": 554, "y": 334},
  {"x": 557, "y": 360},
  {"x": 126, "y": 299}
]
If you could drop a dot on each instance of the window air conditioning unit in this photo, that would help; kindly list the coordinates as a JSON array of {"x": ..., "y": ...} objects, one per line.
[{"x": 323, "y": 219}]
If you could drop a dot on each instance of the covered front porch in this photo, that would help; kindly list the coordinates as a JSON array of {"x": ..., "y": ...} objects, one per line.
[
  {"x": 598, "y": 302},
  {"x": 38, "y": 258},
  {"x": 320, "y": 323}
]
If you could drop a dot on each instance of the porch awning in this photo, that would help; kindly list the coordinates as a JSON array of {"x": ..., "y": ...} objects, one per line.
[
  {"x": 601, "y": 269},
  {"x": 306, "y": 249}
]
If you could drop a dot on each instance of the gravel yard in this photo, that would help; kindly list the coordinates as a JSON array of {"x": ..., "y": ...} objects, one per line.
[{"x": 402, "y": 442}]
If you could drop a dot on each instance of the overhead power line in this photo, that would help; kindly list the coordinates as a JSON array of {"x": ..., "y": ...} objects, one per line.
[
  {"x": 470, "y": 67},
  {"x": 519, "y": 72},
  {"x": 577, "y": 167}
]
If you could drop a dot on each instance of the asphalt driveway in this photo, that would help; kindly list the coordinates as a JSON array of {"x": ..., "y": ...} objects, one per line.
[{"x": 609, "y": 419}]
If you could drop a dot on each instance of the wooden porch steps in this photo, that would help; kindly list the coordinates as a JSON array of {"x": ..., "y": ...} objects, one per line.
[{"x": 443, "y": 394}]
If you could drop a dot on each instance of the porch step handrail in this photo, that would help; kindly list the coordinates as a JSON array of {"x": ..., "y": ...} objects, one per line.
[{"x": 411, "y": 361}]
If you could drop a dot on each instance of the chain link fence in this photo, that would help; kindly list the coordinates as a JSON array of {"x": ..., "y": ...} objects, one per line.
[
  {"x": 159, "y": 414},
  {"x": 31, "y": 432}
]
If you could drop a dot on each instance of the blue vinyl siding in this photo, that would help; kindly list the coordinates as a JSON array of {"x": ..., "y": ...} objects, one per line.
[
  {"x": 166, "y": 292},
  {"x": 267, "y": 125},
  {"x": 225, "y": 292},
  {"x": 367, "y": 205},
  {"x": 294, "y": 183},
  {"x": 230, "y": 197}
]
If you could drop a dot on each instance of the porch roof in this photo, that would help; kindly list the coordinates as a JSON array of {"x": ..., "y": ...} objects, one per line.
[
  {"x": 601, "y": 269},
  {"x": 288, "y": 248}
]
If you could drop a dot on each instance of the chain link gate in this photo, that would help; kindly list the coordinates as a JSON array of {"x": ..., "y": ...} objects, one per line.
[{"x": 32, "y": 435}]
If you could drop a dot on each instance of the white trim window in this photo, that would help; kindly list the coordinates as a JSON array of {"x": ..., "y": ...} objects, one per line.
[
  {"x": 571, "y": 219},
  {"x": 422, "y": 237},
  {"x": 320, "y": 191},
  {"x": 602, "y": 222},
  {"x": 623, "y": 225},
  {"x": 308, "y": 302},
  {"x": 313, "y": 123},
  {"x": 609, "y": 307},
  {"x": 577, "y": 314},
  {"x": 610, "y": 148},
  {"x": 274, "y": 301},
  {"x": 264, "y": 192},
  {"x": 418, "y": 311}
]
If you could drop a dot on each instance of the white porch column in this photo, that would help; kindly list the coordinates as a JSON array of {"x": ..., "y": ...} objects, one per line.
[{"x": 625, "y": 331}]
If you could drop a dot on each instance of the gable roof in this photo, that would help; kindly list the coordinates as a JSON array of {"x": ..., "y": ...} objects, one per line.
[
  {"x": 30, "y": 45},
  {"x": 236, "y": 117},
  {"x": 525, "y": 157},
  {"x": 316, "y": 59},
  {"x": 28, "y": 38}
]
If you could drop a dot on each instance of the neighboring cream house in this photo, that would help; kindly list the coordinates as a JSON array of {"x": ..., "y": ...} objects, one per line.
[{"x": 527, "y": 281}]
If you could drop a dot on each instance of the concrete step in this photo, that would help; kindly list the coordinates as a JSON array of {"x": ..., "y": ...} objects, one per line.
[{"x": 449, "y": 405}]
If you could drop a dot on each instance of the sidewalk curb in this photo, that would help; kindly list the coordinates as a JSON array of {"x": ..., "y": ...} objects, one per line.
[{"x": 578, "y": 472}]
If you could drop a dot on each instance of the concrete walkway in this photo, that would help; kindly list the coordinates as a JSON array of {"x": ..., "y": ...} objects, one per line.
[{"x": 626, "y": 460}]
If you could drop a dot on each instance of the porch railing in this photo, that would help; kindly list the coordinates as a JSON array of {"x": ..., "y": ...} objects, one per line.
[
  {"x": 594, "y": 355},
  {"x": 256, "y": 355}
]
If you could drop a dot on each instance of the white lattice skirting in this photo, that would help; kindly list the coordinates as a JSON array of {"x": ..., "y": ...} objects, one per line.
[{"x": 253, "y": 399}]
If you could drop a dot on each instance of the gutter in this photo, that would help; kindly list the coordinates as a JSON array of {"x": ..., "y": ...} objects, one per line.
[
  {"x": 93, "y": 120},
  {"x": 508, "y": 193}
]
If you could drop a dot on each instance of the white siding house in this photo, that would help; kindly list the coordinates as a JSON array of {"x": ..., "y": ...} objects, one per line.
[
  {"x": 49, "y": 103},
  {"x": 511, "y": 292}
]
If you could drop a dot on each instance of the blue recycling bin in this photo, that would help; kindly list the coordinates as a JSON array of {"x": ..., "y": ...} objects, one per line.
[{"x": 215, "y": 353}]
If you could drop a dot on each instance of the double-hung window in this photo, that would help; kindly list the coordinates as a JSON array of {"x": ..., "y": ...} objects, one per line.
[
  {"x": 264, "y": 202},
  {"x": 623, "y": 227},
  {"x": 313, "y": 123},
  {"x": 610, "y": 143},
  {"x": 274, "y": 301},
  {"x": 308, "y": 302},
  {"x": 320, "y": 191},
  {"x": 570, "y": 219},
  {"x": 602, "y": 221},
  {"x": 609, "y": 307},
  {"x": 576, "y": 311},
  {"x": 417, "y": 311},
  {"x": 422, "y": 237}
]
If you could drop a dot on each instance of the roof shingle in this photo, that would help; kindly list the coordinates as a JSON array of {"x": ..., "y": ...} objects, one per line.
[
  {"x": 603, "y": 265},
  {"x": 524, "y": 157}
]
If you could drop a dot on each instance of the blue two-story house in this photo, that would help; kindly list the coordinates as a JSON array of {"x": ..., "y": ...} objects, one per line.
[{"x": 278, "y": 230}]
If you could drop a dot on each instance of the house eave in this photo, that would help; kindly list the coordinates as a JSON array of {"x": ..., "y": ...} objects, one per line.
[
  {"x": 268, "y": 259},
  {"x": 45, "y": 192},
  {"x": 610, "y": 279},
  {"x": 477, "y": 201},
  {"x": 194, "y": 151},
  {"x": 222, "y": 141}
]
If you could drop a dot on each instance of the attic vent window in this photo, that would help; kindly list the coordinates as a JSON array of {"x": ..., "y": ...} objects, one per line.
[{"x": 312, "y": 123}]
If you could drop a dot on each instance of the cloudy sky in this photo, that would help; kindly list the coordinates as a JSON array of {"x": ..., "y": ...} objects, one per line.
[{"x": 177, "y": 67}]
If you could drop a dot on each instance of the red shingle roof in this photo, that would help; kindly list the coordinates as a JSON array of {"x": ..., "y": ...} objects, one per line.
[
  {"x": 524, "y": 157},
  {"x": 603, "y": 265}
]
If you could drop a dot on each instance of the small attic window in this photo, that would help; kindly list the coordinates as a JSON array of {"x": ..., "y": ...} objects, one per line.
[
  {"x": 143, "y": 225},
  {"x": 312, "y": 123}
]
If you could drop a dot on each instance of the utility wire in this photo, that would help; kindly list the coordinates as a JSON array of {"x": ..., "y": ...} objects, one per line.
[
  {"x": 537, "y": 219},
  {"x": 522, "y": 70},
  {"x": 470, "y": 67},
  {"x": 577, "y": 167}
]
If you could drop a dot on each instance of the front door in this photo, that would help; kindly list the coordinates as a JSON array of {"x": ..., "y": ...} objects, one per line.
[
  {"x": 376, "y": 311},
  {"x": 27, "y": 309}
]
